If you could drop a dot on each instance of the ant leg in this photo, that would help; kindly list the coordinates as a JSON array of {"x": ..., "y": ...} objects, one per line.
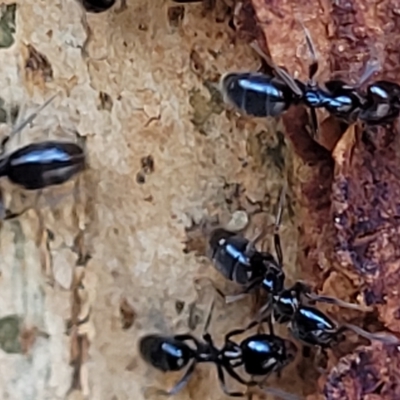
[
  {"x": 282, "y": 74},
  {"x": 278, "y": 220},
  {"x": 196, "y": 282},
  {"x": 270, "y": 325},
  {"x": 371, "y": 67},
  {"x": 227, "y": 298},
  {"x": 383, "y": 337},
  {"x": 319, "y": 356},
  {"x": 181, "y": 383},
  {"x": 252, "y": 242},
  {"x": 265, "y": 312},
  {"x": 313, "y": 68},
  {"x": 221, "y": 378},
  {"x": 314, "y": 123},
  {"x": 235, "y": 332},
  {"x": 247, "y": 289},
  {"x": 208, "y": 319},
  {"x": 187, "y": 337},
  {"x": 228, "y": 368}
]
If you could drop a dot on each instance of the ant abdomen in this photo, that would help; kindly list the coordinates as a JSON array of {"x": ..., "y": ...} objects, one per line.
[
  {"x": 231, "y": 253},
  {"x": 164, "y": 352},
  {"x": 257, "y": 94},
  {"x": 97, "y": 6},
  {"x": 43, "y": 164}
]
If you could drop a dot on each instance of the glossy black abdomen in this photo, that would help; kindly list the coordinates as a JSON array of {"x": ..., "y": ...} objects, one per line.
[
  {"x": 257, "y": 94},
  {"x": 165, "y": 353},
  {"x": 262, "y": 354},
  {"x": 97, "y": 6},
  {"x": 229, "y": 256},
  {"x": 43, "y": 164},
  {"x": 312, "y": 326}
]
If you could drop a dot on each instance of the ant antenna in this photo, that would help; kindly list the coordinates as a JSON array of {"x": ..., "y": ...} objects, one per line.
[
  {"x": 384, "y": 337},
  {"x": 31, "y": 118},
  {"x": 278, "y": 220},
  {"x": 313, "y": 68},
  {"x": 337, "y": 302}
]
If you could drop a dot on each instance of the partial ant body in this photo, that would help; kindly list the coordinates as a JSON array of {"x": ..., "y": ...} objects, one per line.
[
  {"x": 263, "y": 95},
  {"x": 39, "y": 165},
  {"x": 238, "y": 260},
  {"x": 260, "y": 355},
  {"x": 310, "y": 325},
  {"x": 97, "y": 6}
]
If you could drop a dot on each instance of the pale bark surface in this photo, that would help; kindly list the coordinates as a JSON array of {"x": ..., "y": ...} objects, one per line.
[{"x": 97, "y": 263}]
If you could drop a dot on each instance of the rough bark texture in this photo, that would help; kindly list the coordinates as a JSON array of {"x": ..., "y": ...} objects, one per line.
[
  {"x": 347, "y": 187},
  {"x": 92, "y": 266},
  {"x": 97, "y": 263},
  {"x": 369, "y": 373}
]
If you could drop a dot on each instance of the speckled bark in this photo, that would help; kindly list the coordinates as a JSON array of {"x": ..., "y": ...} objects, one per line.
[{"x": 347, "y": 194}]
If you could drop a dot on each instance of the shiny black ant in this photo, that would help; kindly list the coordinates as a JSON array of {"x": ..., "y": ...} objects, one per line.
[
  {"x": 263, "y": 95},
  {"x": 310, "y": 325},
  {"x": 260, "y": 355},
  {"x": 39, "y": 165},
  {"x": 237, "y": 259}
]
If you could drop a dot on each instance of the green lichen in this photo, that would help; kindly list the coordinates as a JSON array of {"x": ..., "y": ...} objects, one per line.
[
  {"x": 7, "y": 25},
  {"x": 10, "y": 334}
]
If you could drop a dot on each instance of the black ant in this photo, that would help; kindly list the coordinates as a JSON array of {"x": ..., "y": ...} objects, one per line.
[
  {"x": 238, "y": 260},
  {"x": 263, "y": 95},
  {"x": 39, "y": 165},
  {"x": 310, "y": 325},
  {"x": 260, "y": 355}
]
